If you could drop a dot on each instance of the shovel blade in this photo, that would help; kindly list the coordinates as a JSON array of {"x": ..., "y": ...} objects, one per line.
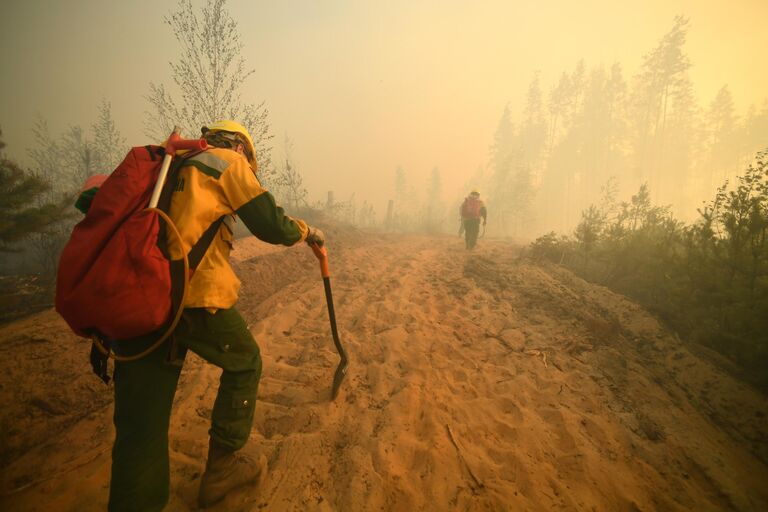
[{"x": 338, "y": 377}]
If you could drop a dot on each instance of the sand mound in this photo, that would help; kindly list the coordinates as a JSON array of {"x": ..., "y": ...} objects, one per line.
[{"x": 477, "y": 382}]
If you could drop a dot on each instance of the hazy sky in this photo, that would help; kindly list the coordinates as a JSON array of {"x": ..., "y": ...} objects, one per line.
[{"x": 362, "y": 86}]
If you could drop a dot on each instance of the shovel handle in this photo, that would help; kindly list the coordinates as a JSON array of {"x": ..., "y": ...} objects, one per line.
[
  {"x": 322, "y": 256},
  {"x": 173, "y": 144},
  {"x": 176, "y": 143}
]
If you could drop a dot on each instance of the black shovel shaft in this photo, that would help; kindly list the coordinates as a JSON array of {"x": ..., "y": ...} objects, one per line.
[
  {"x": 341, "y": 369},
  {"x": 332, "y": 318}
]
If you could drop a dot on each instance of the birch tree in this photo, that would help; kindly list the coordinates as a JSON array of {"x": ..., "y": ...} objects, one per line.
[{"x": 208, "y": 73}]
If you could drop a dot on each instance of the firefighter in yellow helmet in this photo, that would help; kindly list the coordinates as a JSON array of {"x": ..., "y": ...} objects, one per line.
[{"x": 220, "y": 181}]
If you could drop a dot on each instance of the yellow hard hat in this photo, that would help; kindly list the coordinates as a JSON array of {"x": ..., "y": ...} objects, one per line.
[
  {"x": 474, "y": 192},
  {"x": 234, "y": 127}
]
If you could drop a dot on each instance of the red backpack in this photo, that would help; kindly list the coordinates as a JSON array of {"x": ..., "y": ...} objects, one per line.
[
  {"x": 471, "y": 208},
  {"x": 115, "y": 280}
]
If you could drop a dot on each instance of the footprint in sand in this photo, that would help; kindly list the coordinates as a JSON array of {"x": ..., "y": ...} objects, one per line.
[{"x": 557, "y": 426}]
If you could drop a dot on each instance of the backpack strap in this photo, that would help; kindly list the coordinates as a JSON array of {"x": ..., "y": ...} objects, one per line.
[
  {"x": 194, "y": 257},
  {"x": 175, "y": 355},
  {"x": 198, "y": 250}
]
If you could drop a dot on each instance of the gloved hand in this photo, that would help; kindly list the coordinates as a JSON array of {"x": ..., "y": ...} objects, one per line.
[{"x": 315, "y": 237}]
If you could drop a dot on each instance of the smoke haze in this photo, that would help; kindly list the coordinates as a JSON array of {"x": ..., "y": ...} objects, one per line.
[{"x": 362, "y": 87}]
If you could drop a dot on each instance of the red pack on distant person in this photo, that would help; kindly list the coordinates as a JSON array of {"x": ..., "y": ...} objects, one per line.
[{"x": 471, "y": 208}]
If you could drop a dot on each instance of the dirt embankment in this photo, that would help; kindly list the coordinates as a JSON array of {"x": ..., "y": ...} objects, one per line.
[
  {"x": 23, "y": 295},
  {"x": 477, "y": 382}
]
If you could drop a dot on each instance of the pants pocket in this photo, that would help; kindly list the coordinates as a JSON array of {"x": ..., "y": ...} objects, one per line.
[{"x": 242, "y": 404}]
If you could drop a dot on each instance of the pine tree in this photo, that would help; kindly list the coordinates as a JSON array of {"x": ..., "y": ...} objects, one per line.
[
  {"x": 500, "y": 181},
  {"x": 754, "y": 130},
  {"x": 564, "y": 173},
  {"x": 679, "y": 181},
  {"x": 503, "y": 142},
  {"x": 402, "y": 209},
  {"x": 533, "y": 130},
  {"x": 21, "y": 213},
  {"x": 721, "y": 131},
  {"x": 558, "y": 106},
  {"x": 664, "y": 71},
  {"x": 434, "y": 207}
]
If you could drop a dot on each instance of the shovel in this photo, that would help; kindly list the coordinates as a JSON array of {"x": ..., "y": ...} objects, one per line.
[{"x": 341, "y": 370}]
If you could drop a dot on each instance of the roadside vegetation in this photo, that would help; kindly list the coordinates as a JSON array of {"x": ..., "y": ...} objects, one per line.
[{"x": 707, "y": 279}]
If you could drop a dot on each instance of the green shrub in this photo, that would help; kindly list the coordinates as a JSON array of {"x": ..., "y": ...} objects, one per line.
[{"x": 708, "y": 280}]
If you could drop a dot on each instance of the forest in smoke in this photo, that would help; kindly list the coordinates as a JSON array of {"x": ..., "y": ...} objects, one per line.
[
  {"x": 596, "y": 130},
  {"x": 601, "y": 130}
]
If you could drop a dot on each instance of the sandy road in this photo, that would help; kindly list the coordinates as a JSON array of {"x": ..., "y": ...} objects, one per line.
[{"x": 480, "y": 382}]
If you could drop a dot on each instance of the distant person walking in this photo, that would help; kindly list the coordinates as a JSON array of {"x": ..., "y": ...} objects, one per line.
[{"x": 471, "y": 211}]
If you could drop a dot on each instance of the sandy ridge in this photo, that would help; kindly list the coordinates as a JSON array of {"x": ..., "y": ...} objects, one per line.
[{"x": 477, "y": 383}]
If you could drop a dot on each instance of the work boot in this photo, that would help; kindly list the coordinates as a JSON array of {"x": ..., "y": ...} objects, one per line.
[{"x": 225, "y": 471}]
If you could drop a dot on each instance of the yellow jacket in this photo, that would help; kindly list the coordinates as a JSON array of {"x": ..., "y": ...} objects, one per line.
[{"x": 220, "y": 182}]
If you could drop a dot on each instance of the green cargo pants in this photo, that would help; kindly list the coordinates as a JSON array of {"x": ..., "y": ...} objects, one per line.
[
  {"x": 471, "y": 231},
  {"x": 144, "y": 391}
]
